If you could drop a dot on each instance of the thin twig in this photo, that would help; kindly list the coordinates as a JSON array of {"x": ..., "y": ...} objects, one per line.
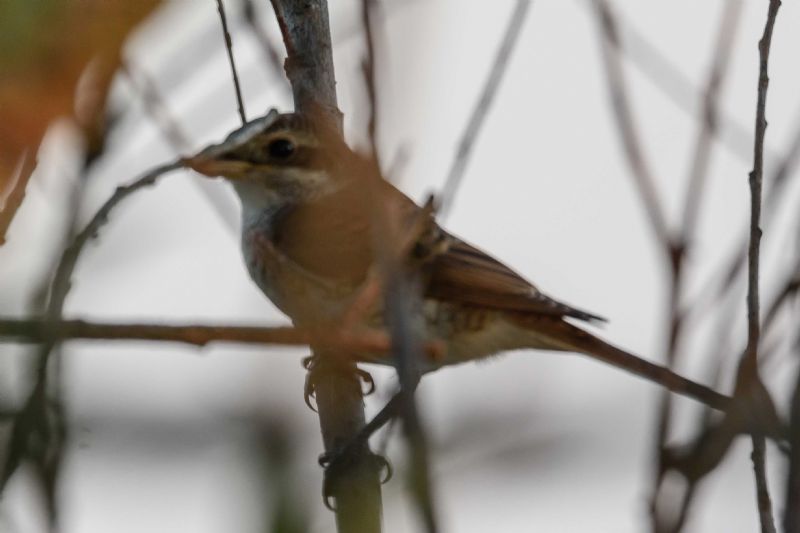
[
  {"x": 710, "y": 115},
  {"x": 69, "y": 258},
  {"x": 465, "y": 146},
  {"x": 733, "y": 265},
  {"x": 668, "y": 77},
  {"x": 229, "y": 48},
  {"x": 759, "y": 459},
  {"x": 676, "y": 251},
  {"x": 155, "y": 106},
  {"x": 367, "y": 19},
  {"x": 37, "y": 330},
  {"x": 748, "y": 372},
  {"x": 269, "y": 49},
  {"x": 14, "y": 198},
  {"x": 402, "y": 300},
  {"x": 643, "y": 177}
]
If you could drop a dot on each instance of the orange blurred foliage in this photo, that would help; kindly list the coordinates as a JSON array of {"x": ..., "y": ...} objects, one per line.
[{"x": 46, "y": 48}]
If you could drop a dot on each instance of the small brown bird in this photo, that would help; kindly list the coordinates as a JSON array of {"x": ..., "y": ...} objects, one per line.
[{"x": 309, "y": 211}]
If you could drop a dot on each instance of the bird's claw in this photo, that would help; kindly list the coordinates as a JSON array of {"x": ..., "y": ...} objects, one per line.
[
  {"x": 310, "y": 364},
  {"x": 309, "y": 389},
  {"x": 338, "y": 463},
  {"x": 367, "y": 379}
]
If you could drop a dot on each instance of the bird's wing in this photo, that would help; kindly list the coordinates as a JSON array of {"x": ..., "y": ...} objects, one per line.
[{"x": 464, "y": 274}]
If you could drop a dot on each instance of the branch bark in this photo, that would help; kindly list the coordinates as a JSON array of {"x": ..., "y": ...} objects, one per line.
[
  {"x": 309, "y": 67},
  {"x": 749, "y": 380}
]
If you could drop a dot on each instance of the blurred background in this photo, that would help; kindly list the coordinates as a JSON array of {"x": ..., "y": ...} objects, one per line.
[{"x": 165, "y": 438}]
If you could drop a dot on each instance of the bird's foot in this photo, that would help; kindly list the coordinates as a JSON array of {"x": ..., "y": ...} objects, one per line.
[
  {"x": 338, "y": 464},
  {"x": 311, "y": 364}
]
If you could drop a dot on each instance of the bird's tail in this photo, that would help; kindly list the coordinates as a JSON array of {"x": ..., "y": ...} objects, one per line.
[{"x": 571, "y": 338}]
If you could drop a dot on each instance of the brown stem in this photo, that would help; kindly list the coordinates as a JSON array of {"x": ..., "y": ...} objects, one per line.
[
  {"x": 748, "y": 378},
  {"x": 229, "y": 49}
]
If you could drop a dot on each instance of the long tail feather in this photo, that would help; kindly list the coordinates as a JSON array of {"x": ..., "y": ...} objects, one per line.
[{"x": 572, "y": 338}]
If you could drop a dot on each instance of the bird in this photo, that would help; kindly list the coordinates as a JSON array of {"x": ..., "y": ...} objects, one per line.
[{"x": 311, "y": 211}]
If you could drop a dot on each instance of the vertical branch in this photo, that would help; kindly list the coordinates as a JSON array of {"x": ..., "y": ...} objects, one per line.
[
  {"x": 309, "y": 64},
  {"x": 676, "y": 250},
  {"x": 229, "y": 48},
  {"x": 748, "y": 378},
  {"x": 758, "y": 456},
  {"x": 309, "y": 67}
]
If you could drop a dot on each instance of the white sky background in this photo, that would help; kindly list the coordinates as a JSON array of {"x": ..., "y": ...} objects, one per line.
[{"x": 528, "y": 441}]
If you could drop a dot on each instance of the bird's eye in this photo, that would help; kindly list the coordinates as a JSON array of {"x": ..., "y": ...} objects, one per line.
[{"x": 281, "y": 149}]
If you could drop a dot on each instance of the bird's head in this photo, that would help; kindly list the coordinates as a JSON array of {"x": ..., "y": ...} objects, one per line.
[{"x": 283, "y": 153}]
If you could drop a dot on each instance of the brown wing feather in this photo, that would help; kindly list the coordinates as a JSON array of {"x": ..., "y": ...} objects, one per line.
[{"x": 464, "y": 274}]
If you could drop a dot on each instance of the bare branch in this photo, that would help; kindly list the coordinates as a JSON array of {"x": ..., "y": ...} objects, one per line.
[
  {"x": 748, "y": 379},
  {"x": 309, "y": 67},
  {"x": 14, "y": 198},
  {"x": 676, "y": 251},
  {"x": 710, "y": 114},
  {"x": 610, "y": 46},
  {"x": 270, "y": 52},
  {"x": 402, "y": 301},
  {"x": 668, "y": 77},
  {"x": 762, "y": 488},
  {"x": 40, "y": 330},
  {"x": 229, "y": 48},
  {"x": 70, "y": 256},
  {"x": 154, "y": 105},
  {"x": 482, "y": 106}
]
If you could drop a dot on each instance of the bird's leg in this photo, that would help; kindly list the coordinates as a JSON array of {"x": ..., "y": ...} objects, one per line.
[{"x": 337, "y": 461}]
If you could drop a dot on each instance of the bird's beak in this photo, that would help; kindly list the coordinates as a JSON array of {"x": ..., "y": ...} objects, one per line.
[
  {"x": 219, "y": 160},
  {"x": 212, "y": 165}
]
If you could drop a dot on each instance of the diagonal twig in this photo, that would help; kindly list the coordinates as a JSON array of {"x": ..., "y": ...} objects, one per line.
[
  {"x": 468, "y": 138},
  {"x": 66, "y": 266},
  {"x": 12, "y": 201},
  {"x": 620, "y": 100},
  {"x": 676, "y": 251},
  {"x": 154, "y": 106},
  {"x": 270, "y": 51},
  {"x": 710, "y": 118}
]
